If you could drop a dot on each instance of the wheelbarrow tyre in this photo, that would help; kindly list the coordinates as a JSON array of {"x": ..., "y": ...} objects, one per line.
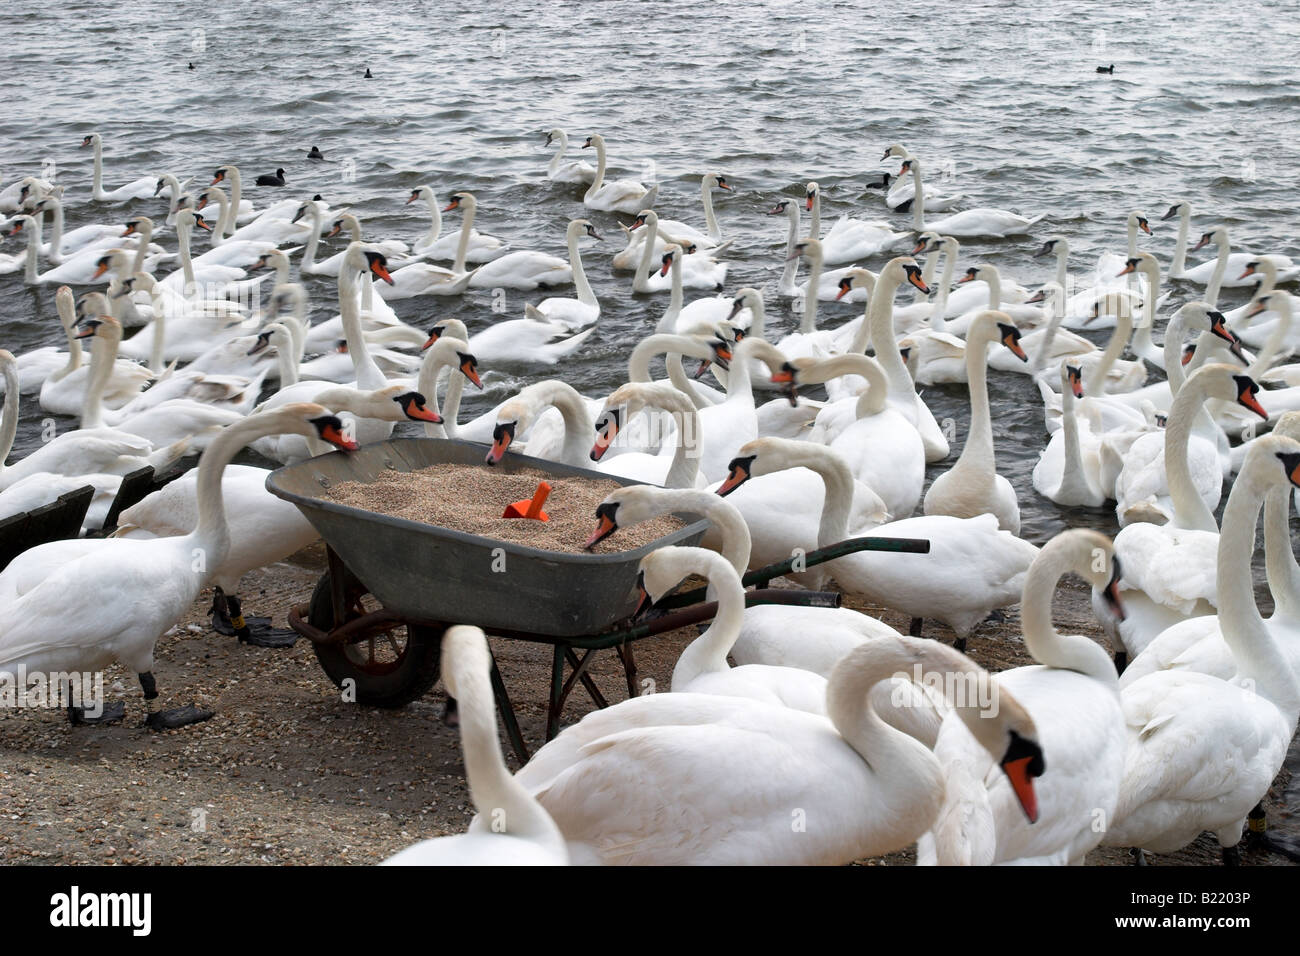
[{"x": 408, "y": 678}]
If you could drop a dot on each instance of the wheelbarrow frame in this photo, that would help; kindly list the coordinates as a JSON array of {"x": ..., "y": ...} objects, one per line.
[{"x": 680, "y": 609}]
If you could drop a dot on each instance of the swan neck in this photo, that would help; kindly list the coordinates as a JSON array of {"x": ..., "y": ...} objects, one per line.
[
  {"x": 707, "y": 654},
  {"x": 369, "y": 375},
  {"x": 1257, "y": 655},
  {"x": 585, "y": 295},
  {"x": 9, "y": 417},
  {"x": 599, "y": 181},
  {"x": 918, "y": 198},
  {"x": 1279, "y": 557},
  {"x": 808, "y": 323},
  {"x": 710, "y": 221},
  {"x": 1190, "y": 510},
  {"x": 1220, "y": 267},
  {"x": 469, "y": 207}
]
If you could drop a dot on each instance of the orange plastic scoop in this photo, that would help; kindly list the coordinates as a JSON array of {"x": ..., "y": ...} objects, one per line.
[{"x": 530, "y": 508}]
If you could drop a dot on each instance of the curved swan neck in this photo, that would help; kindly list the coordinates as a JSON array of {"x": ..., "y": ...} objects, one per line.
[
  {"x": 938, "y": 323},
  {"x": 1062, "y": 264},
  {"x": 308, "y": 262},
  {"x": 918, "y": 197},
  {"x": 469, "y": 208},
  {"x": 596, "y": 184},
  {"x": 435, "y": 216},
  {"x": 978, "y": 450},
  {"x": 1045, "y": 645},
  {"x": 1265, "y": 357},
  {"x": 496, "y": 794},
  {"x": 879, "y": 326},
  {"x": 710, "y": 221},
  {"x": 793, "y": 215},
  {"x": 56, "y": 229},
  {"x": 707, "y": 654},
  {"x": 1179, "y": 265},
  {"x": 638, "y": 363},
  {"x": 1279, "y": 557},
  {"x": 838, "y": 501},
  {"x": 66, "y": 307},
  {"x": 1190, "y": 510},
  {"x": 1119, "y": 337},
  {"x": 1256, "y": 653},
  {"x": 103, "y": 353},
  {"x": 1220, "y": 266},
  {"x": 369, "y": 374},
  {"x": 98, "y": 177},
  {"x": 585, "y": 295},
  {"x": 808, "y": 322}
]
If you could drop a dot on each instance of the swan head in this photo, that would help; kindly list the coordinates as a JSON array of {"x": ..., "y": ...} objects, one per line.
[
  {"x": 718, "y": 181},
  {"x": 810, "y": 195},
  {"x": 377, "y": 266},
  {"x": 268, "y": 260},
  {"x": 594, "y": 141},
  {"x": 1222, "y": 381},
  {"x": 219, "y": 175},
  {"x": 857, "y": 279},
  {"x": 103, "y": 327},
  {"x": 1049, "y": 288},
  {"x": 1072, "y": 379},
  {"x": 763, "y": 456},
  {"x": 457, "y": 200},
  {"x": 784, "y": 207},
  {"x": 88, "y": 140},
  {"x": 112, "y": 261},
  {"x": 670, "y": 253},
  {"x": 1203, "y": 317},
  {"x": 16, "y": 225},
  {"x": 1047, "y": 248},
  {"x": 1176, "y": 209},
  {"x": 664, "y": 568},
  {"x": 306, "y": 418},
  {"x": 1274, "y": 300},
  {"x": 646, "y": 217},
  {"x": 629, "y": 506},
  {"x": 274, "y": 335},
  {"x": 1143, "y": 262},
  {"x": 584, "y": 225},
  {"x": 927, "y": 242},
  {"x": 137, "y": 224},
  {"x": 1218, "y": 236},
  {"x": 895, "y": 149},
  {"x": 905, "y": 269},
  {"x": 810, "y": 249},
  {"x": 454, "y": 346},
  {"x": 1139, "y": 219}
]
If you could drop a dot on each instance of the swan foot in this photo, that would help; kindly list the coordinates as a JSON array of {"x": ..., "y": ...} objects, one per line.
[
  {"x": 109, "y": 714},
  {"x": 177, "y": 717},
  {"x": 228, "y": 619},
  {"x": 914, "y": 628},
  {"x": 1231, "y": 856},
  {"x": 959, "y": 644},
  {"x": 1257, "y": 826},
  {"x": 1121, "y": 661},
  {"x": 168, "y": 719},
  {"x": 1139, "y": 858},
  {"x": 451, "y": 713}
]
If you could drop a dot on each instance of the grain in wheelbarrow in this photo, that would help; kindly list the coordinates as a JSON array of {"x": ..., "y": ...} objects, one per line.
[{"x": 471, "y": 498}]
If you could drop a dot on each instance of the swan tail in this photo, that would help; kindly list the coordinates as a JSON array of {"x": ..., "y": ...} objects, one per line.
[
  {"x": 565, "y": 347},
  {"x": 648, "y": 200}
]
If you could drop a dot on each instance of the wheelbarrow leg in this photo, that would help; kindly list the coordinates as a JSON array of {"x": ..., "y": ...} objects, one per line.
[
  {"x": 629, "y": 668},
  {"x": 580, "y": 673},
  {"x": 508, "y": 715},
  {"x": 557, "y": 687}
]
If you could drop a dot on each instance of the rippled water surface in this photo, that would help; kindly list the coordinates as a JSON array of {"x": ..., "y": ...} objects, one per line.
[{"x": 1002, "y": 97}]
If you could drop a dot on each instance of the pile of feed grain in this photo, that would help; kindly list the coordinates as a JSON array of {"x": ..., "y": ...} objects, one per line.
[{"x": 471, "y": 498}]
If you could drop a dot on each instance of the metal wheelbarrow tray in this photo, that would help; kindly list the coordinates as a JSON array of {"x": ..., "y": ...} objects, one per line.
[{"x": 422, "y": 572}]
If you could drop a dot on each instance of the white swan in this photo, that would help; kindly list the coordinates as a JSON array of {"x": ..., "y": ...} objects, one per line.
[
  {"x": 142, "y": 188},
  {"x": 433, "y": 245},
  {"x": 1202, "y": 752},
  {"x": 972, "y": 486},
  {"x": 850, "y": 239},
  {"x": 583, "y": 310},
  {"x": 981, "y": 221},
  {"x": 1169, "y": 569},
  {"x": 276, "y": 231},
  {"x": 1068, "y": 468},
  {"x": 681, "y": 468},
  {"x": 76, "y": 452},
  {"x": 972, "y": 567},
  {"x": 1072, "y": 696},
  {"x": 1197, "y": 645},
  {"x": 702, "y": 667},
  {"x": 882, "y": 448},
  {"x": 699, "y": 269},
  {"x": 558, "y": 171},
  {"x": 614, "y": 782},
  {"x": 113, "y": 598},
  {"x": 520, "y": 832},
  {"x": 620, "y": 195},
  {"x": 522, "y": 269},
  {"x": 64, "y": 391}
]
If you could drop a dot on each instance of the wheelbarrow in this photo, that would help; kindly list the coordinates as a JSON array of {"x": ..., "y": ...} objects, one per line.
[{"x": 392, "y": 586}]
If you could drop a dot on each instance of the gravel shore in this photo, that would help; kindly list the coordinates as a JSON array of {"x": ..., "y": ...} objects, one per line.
[{"x": 286, "y": 772}]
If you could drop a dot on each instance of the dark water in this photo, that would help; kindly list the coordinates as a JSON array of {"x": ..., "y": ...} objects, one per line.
[{"x": 1002, "y": 97}]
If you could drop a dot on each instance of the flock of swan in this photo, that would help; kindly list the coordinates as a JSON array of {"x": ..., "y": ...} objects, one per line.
[{"x": 827, "y": 740}]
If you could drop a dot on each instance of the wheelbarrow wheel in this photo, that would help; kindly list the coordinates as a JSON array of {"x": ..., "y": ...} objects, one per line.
[{"x": 390, "y": 668}]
